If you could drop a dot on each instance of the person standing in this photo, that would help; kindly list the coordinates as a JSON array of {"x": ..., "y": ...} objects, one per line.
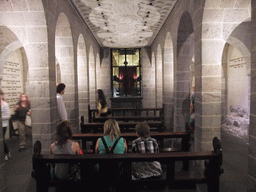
[
  {"x": 60, "y": 102},
  {"x": 22, "y": 108},
  {"x": 5, "y": 110}
]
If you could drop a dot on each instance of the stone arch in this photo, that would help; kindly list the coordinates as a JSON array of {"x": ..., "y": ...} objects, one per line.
[
  {"x": 219, "y": 20},
  {"x": 185, "y": 51},
  {"x": 236, "y": 72},
  {"x": 11, "y": 55},
  {"x": 65, "y": 55},
  {"x": 29, "y": 35},
  {"x": 159, "y": 77},
  {"x": 168, "y": 80},
  {"x": 92, "y": 79},
  {"x": 82, "y": 70}
]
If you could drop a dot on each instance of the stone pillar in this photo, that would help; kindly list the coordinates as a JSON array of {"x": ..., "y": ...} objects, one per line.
[
  {"x": 252, "y": 126},
  {"x": 103, "y": 77},
  {"x": 168, "y": 79},
  {"x": 148, "y": 79},
  {"x": 41, "y": 90},
  {"x": 208, "y": 93},
  {"x": 159, "y": 78},
  {"x": 82, "y": 79},
  {"x": 3, "y": 182},
  {"x": 92, "y": 79}
]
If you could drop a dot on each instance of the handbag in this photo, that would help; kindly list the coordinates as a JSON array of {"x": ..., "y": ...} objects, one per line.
[
  {"x": 28, "y": 121},
  {"x": 14, "y": 116}
]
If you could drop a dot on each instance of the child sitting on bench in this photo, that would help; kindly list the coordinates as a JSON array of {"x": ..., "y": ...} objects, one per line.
[{"x": 145, "y": 144}]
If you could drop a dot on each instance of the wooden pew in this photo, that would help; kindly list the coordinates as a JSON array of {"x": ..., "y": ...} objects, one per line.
[
  {"x": 211, "y": 174},
  {"x": 129, "y": 114},
  {"x": 130, "y": 136},
  {"x": 124, "y": 126}
]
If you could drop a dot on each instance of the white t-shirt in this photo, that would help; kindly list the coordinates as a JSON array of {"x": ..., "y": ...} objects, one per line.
[{"x": 61, "y": 107}]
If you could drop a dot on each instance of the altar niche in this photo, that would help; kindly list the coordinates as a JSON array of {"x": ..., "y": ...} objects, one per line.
[{"x": 126, "y": 72}]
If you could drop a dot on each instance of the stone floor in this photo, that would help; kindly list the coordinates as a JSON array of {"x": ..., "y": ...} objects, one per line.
[{"x": 234, "y": 179}]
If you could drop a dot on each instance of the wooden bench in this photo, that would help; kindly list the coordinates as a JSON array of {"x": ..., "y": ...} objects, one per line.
[
  {"x": 124, "y": 126},
  {"x": 210, "y": 174},
  {"x": 156, "y": 113},
  {"x": 130, "y": 136},
  {"x": 149, "y": 115}
]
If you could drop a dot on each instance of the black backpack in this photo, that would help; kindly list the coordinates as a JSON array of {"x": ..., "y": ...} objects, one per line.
[{"x": 106, "y": 146}]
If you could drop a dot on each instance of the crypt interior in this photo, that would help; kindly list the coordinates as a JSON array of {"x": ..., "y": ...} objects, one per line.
[{"x": 141, "y": 53}]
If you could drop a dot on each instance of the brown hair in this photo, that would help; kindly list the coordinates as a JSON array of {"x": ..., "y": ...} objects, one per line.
[
  {"x": 101, "y": 98},
  {"x": 111, "y": 128},
  {"x": 2, "y": 93},
  {"x": 63, "y": 132},
  {"x": 142, "y": 129},
  {"x": 60, "y": 87},
  {"x": 27, "y": 101}
]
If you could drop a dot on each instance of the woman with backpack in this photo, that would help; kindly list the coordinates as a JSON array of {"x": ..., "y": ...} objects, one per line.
[
  {"x": 110, "y": 173},
  {"x": 111, "y": 142}
]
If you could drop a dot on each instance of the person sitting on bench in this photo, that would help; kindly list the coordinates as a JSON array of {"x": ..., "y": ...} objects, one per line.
[
  {"x": 111, "y": 136},
  {"x": 103, "y": 110},
  {"x": 63, "y": 145},
  {"x": 145, "y": 144},
  {"x": 111, "y": 142}
]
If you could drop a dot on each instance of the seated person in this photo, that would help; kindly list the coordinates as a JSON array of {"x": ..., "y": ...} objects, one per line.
[
  {"x": 145, "y": 144},
  {"x": 102, "y": 104},
  {"x": 111, "y": 142},
  {"x": 63, "y": 145},
  {"x": 111, "y": 135}
]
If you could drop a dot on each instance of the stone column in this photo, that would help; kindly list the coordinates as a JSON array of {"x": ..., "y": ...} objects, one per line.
[
  {"x": 148, "y": 79},
  {"x": 252, "y": 126},
  {"x": 208, "y": 91},
  {"x": 168, "y": 79},
  {"x": 39, "y": 87},
  {"x": 3, "y": 182},
  {"x": 92, "y": 80},
  {"x": 159, "y": 77}
]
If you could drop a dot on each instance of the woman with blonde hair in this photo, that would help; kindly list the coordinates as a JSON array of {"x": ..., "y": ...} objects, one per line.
[
  {"x": 22, "y": 108},
  {"x": 111, "y": 142}
]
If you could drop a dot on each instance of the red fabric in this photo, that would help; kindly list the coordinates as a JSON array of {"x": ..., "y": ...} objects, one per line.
[{"x": 81, "y": 152}]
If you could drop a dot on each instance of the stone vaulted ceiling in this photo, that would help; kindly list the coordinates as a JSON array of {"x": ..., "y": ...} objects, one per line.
[{"x": 124, "y": 23}]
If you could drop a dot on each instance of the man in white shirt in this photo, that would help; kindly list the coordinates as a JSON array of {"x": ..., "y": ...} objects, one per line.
[{"x": 60, "y": 102}]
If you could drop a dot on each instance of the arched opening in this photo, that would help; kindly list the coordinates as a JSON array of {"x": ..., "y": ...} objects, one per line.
[
  {"x": 13, "y": 76},
  {"x": 185, "y": 52},
  {"x": 65, "y": 57},
  {"x": 236, "y": 89}
]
